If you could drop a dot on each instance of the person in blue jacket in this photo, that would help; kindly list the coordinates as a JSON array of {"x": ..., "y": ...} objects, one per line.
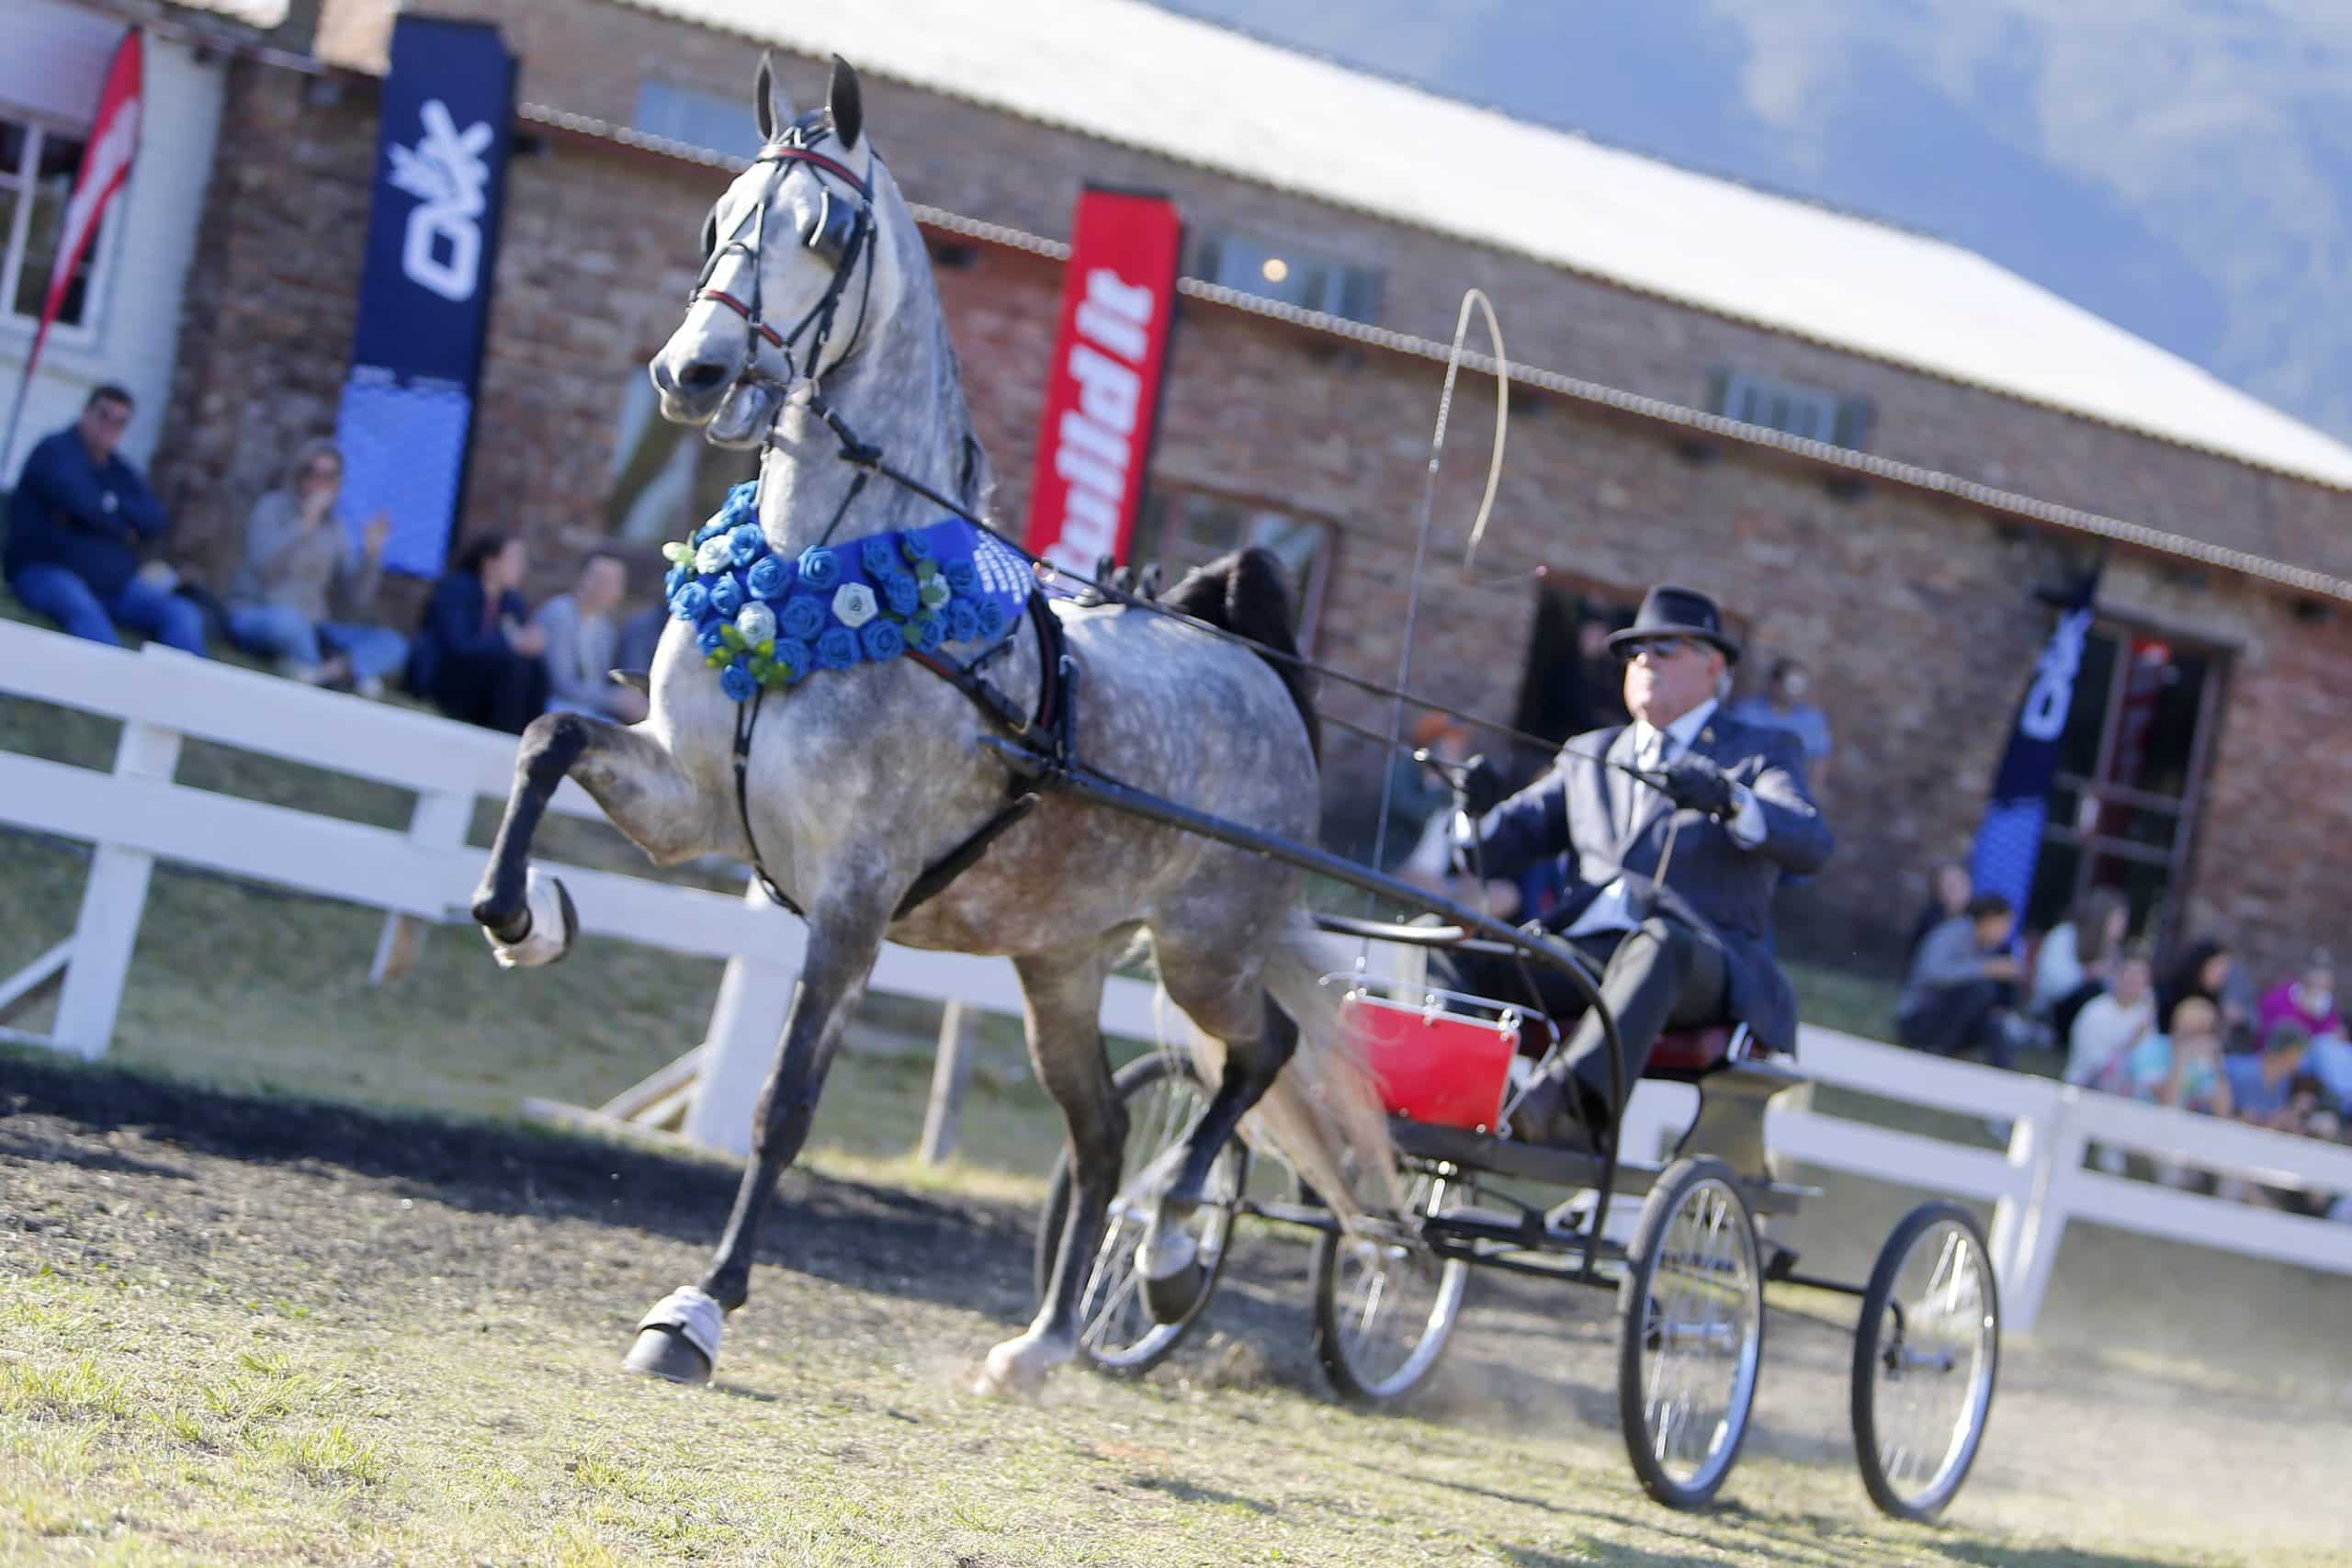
[
  {"x": 76, "y": 520},
  {"x": 477, "y": 652}
]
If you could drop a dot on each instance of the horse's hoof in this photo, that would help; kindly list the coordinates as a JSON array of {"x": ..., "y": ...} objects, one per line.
[
  {"x": 666, "y": 1353},
  {"x": 1174, "y": 1278},
  {"x": 553, "y": 925},
  {"x": 1017, "y": 1370}
]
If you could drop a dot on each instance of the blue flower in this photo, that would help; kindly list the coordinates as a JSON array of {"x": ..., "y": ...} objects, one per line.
[
  {"x": 915, "y": 545},
  {"x": 738, "y": 682},
  {"x": 882, "y": 640},
  {"x": 801, "y": 619},
  {"x": 962, "y": 576},
  {"x": 689, "y": 601},
  {"x": 963, "y": 622},
  {"x": 794, "y": 655},
  {"x": 746, "y": 543},
  {"x": 993, "y": 618},
  {"x": 926, "y": 632},
  {"x": 712, "y": 638},
  {"x": 820, "y": 568},
  {"x": 746, "y": 494},
  {"x": 898, "y": 591},
  {"x": 837, "y": 649},
  {"x": 770, "y": 578},
  {"x": 877, "y": 556},
  {"x": 679, "y": 576},
  {"x": 727, "y": 596}
]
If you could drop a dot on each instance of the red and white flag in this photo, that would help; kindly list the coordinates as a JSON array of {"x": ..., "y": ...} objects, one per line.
[{"x": 106, "y": 166}]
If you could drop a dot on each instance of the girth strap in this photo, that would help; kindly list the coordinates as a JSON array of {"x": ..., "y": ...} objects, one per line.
[{"x": 1055, "y": 717}]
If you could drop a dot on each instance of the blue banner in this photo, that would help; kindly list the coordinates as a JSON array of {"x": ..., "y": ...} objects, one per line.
[
  {"x": 424, "y": 296},
  {"x": 2008, "y": 844}
]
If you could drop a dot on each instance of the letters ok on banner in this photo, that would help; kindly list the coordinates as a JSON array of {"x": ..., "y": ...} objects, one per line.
[
  {"x": 407, "y": 413},
  {"x": 1103, "y": 394}
]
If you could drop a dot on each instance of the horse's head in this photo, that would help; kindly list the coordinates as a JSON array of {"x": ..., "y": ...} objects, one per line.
[{"x": 789, "y": 256}]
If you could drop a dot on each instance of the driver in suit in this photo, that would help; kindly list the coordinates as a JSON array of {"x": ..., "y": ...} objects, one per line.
[{"x": 1680, "y": 948}]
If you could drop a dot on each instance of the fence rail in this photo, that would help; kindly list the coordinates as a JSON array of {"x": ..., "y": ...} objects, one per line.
[{"x": 137, "y": 812}]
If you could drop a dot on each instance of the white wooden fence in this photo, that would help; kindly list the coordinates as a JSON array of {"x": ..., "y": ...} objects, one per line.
[{"x": 136, "y": 813}]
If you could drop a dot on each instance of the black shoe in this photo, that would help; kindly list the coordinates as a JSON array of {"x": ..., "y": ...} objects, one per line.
[
  {"x": 1535, "y": 1117},
  {"x": 1561, "y": 1114}
]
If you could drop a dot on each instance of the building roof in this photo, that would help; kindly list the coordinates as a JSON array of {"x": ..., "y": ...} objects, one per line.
[{"x": 1128, "y": 73}]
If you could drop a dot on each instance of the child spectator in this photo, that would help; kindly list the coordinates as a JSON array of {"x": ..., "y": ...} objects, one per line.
[
  {"x": 2268, "y": 1087},
  {"x": 304, "y": 582},
  {"x": 1949, "y": 891},
  {"x": 2109, "y": 1025},
  {"x": 1956, "y": 999},
  {"x": 2308, "y": 1002},
  {"x": 2182, "y": 1067}
]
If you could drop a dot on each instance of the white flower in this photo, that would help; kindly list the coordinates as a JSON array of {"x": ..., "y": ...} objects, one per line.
[
  {"x": 757, "y": 623},
  {"x": 715, "y": 556},
  {"x": 854, "y": 605}
]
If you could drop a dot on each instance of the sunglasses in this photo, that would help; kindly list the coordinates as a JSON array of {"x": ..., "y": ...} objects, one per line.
[{"x": 1657, "y": 648}]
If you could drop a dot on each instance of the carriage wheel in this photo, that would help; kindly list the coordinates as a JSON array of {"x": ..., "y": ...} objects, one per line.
[
  {"x": 1925, "y": 1356},
  {"x": 1386, "y": 1304},
  {"x": 1690, "y": 1333},
  {"x": 1116, "y": 1332}
]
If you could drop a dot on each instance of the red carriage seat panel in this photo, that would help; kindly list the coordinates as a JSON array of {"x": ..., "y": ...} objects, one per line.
[
  {"x": 1689, "y": 1050},
  {"x": 1434, "y": 1065}
]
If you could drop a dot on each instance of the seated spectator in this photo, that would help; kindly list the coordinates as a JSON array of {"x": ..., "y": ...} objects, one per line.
[
  {"x": 2268, "y": 1087},
  {"x": 1782, "y": 706},
  {"x": 2182, "y": 1068},
  {"x": 1949, "y": 890},
  {"x": 1960, "y": 980},
  {"x": 2072, "y": 957},
  {"x": 583, "y": 642},
  {"x": 76, "y": 520},
  {"x": 2111, "y": 1026},
  {"x": 304, "y": 582},
  {"x": 2307, "y": 1001},
  {"x": 640, "y": 635},
  {"x": 2203, "y": 971},
  {"x": 477, "y": 655},
  {"x": 1420, "y": 800}
]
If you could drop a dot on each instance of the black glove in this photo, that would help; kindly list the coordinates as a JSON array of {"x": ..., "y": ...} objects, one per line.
[
  {"x": 1481, "y": 789},
  {"x": 1695, "y": 783}
]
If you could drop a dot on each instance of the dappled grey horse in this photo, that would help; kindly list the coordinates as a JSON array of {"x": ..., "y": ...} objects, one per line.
[{"x": 816, "y": 316}]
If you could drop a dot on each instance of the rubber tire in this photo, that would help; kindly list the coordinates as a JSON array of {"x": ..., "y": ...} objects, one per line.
[
  {"x": 1633, "y": 1292},
  {"x": 1127, "y": 1083},
  {"x": 1323, "y": 1278},
  {"x": 1866, "y": 1353}
]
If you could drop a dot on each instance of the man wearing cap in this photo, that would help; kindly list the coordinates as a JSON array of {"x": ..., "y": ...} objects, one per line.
[{"x": 1675, "y": 866}]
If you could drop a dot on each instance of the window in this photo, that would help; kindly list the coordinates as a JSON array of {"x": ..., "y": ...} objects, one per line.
[
  {"x": 712, "y": 121},
  {"x": 666, "y": 479},
  {"x": 37, "y": 168},
  {"x": 1255, "y": 264},
  {"x": 1791, "y": 408},
  {"x": 2124, "y": 807},
  {"x": 1180, "y": 529}
]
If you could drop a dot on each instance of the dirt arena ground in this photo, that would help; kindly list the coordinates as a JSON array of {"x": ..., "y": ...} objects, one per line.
[{"x": 247, "y": 1329}]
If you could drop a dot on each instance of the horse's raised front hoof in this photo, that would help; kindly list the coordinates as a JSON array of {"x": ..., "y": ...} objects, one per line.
[
  {"x": 1018, "y": 1368},
  {"x": 1174, "y": 1278},
  {"x": 667, "y": 1354},
  {"x": 552, "y": 925}
]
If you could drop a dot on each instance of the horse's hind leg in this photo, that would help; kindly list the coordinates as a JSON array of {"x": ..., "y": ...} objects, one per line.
[
  {"x": 679, "y": 1338},
  {"x": 1258, "y": 1038},
  {"x": 637, "y": 782},
  {"x": 1065, "y": 1004}
]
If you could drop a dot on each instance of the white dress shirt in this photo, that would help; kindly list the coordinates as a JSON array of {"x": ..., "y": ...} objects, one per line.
[{"x": 1612, "y": 910}]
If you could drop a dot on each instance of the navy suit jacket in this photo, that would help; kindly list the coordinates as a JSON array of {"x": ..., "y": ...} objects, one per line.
[{"x": 1712, "y": 884}]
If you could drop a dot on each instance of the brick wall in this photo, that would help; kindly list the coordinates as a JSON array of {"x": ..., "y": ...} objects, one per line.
[{"x": 1917, "y": 615}]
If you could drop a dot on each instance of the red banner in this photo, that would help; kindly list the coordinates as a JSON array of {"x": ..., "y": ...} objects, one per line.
[
  {"x": 1103, "y": 391},
  {"x": 105, "y": 165}
]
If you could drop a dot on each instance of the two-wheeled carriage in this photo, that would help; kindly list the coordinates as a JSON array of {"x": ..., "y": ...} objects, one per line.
[{"x": 1691, "y": 1279}]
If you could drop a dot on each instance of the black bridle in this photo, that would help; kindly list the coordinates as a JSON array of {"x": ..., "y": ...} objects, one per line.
[{"x": 842, "y": 236}]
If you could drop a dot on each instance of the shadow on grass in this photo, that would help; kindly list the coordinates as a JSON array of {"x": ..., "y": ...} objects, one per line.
[
  {"x": 1190, "y": 1492},
  {"x": 89, "y": 1159}
]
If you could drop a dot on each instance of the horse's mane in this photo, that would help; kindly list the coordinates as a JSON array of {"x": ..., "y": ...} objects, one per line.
[{"x": 1248, "y": 594}]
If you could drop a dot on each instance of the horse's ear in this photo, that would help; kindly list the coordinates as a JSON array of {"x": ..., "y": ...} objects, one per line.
[
  {"x": 842, "y": 101},
  {"x": 769, "y": 102}
]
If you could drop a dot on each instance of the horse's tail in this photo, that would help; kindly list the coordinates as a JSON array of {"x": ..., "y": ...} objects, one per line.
[
  {"x": 1323, "y": 1114},
  {"x": 1248, "y": 592}
]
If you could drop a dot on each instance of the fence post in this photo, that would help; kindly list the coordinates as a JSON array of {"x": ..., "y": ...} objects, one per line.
[
  {"x": 746, "y": 1025},
  {"x": 112, "y": 901},
  {"x": 439, "y": 822},
  {"x": 950, "y": 1073},
  {"x": 2047, "y": 1148}
]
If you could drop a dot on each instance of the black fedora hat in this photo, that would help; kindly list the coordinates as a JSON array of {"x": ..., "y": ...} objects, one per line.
[{"x": 1669, "y": 611}]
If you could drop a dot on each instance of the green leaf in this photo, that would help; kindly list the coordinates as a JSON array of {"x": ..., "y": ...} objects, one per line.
[{"x": 736, "y": 641}]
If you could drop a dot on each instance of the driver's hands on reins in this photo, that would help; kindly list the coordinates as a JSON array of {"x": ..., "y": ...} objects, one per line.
[{"x": 1695, "y": 783}]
